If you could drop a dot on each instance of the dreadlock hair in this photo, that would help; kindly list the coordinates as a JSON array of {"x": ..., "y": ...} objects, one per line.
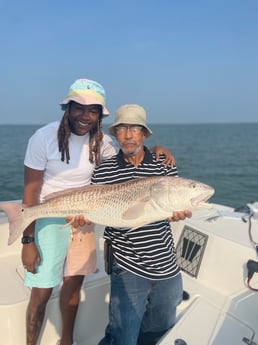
[
  {"x": 63, "y": 135},
  {"x": 96, "y": 136},
  {"x": 64, "y": 132}
]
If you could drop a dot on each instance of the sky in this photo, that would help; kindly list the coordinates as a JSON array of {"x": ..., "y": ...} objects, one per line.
[{"x": 184, "y": 61}]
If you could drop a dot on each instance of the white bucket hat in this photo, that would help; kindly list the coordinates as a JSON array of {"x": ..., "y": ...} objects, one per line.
[{"x": 130, "y": 114}]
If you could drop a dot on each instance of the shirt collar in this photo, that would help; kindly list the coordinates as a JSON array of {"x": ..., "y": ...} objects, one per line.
[{"x": 148, "y": 158}]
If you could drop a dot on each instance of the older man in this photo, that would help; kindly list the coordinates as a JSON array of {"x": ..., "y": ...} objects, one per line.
[{"x": 146, "y": 284}]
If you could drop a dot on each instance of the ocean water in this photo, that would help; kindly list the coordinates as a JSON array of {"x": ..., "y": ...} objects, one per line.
[{"x": 222, "y": 155}]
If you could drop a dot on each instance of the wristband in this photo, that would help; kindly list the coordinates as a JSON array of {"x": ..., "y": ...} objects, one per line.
[{"x": 27, "y": 239}]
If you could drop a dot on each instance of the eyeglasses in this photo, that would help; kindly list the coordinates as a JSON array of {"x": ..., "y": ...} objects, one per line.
[{"x": 131, "y": 128}]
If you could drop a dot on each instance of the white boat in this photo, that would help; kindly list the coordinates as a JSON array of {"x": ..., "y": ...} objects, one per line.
[{"x": 214, "y": 254}]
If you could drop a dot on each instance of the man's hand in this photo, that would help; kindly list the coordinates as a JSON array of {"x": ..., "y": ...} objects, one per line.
[
  {"x": 160, "y": 150},
  {"x": 78, "y": 220},
  {"x": 30, "y": 257},
  {"x": 180, "y": 215}
]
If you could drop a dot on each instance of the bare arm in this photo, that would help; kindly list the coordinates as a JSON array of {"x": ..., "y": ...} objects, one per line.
[{"x": 33, "y": 180}]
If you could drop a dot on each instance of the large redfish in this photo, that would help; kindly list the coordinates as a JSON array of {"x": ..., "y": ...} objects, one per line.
[{"x": 131, "y": 204}]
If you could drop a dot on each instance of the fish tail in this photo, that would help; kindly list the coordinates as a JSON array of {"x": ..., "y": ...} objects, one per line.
[{"x": 17, "y": 222}]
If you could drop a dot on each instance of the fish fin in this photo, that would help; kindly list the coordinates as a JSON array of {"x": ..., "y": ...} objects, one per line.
[
  {"x": 138, "y": 226},
  {"x": 134, "y": 211},
  {"x": 66, "y": 224},
  {"x": 17, "y": 224}
]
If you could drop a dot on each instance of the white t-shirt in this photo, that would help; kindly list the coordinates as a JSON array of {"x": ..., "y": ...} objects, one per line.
[{"x": 43, "y": 154}]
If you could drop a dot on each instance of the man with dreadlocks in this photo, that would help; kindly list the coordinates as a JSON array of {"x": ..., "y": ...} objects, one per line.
[{"x": 60, "y": 156}]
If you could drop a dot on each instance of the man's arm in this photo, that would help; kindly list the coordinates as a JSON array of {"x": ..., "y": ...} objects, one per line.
[
  {"x": 160, "y": 150},
  {"x": 33, "y": 180}
]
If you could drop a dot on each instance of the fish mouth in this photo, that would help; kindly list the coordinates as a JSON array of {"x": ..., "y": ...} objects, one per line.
[{"x": 201, "y": 200}]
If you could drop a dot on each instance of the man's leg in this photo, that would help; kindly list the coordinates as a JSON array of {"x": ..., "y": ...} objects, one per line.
[
  {"x": 35, "y": 313},
  {"x": 69, "y": 302},
  {"x": 52, "y": 243},
  {"x": 80, "y": 261},
  {"x": 126, "y": 307},
  {"x": 160, "y": 315}
]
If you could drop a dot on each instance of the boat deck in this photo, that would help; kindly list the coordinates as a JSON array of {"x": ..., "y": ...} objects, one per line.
[{"x": 221, "y": 309}]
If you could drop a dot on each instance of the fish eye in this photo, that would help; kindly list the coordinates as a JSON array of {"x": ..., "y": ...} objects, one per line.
[{"x": 194, "y": 185}]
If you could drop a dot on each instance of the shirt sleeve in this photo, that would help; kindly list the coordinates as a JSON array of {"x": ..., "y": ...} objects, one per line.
[
  {"x": 35, "y": 156},
  {"x": 171, "y": 171},
  {"x": 168, "y": 170}
]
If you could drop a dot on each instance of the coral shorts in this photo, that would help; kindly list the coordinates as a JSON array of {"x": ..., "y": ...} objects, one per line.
[{"x": 64, "y": 251}]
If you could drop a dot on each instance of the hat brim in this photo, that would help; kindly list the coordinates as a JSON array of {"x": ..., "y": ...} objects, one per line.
[
  {"x": 89, "y": 100},
  {"x": 112, "y": 130}
]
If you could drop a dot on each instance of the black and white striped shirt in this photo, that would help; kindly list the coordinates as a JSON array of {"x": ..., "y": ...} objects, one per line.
[{"x": 147, "y": 251}]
